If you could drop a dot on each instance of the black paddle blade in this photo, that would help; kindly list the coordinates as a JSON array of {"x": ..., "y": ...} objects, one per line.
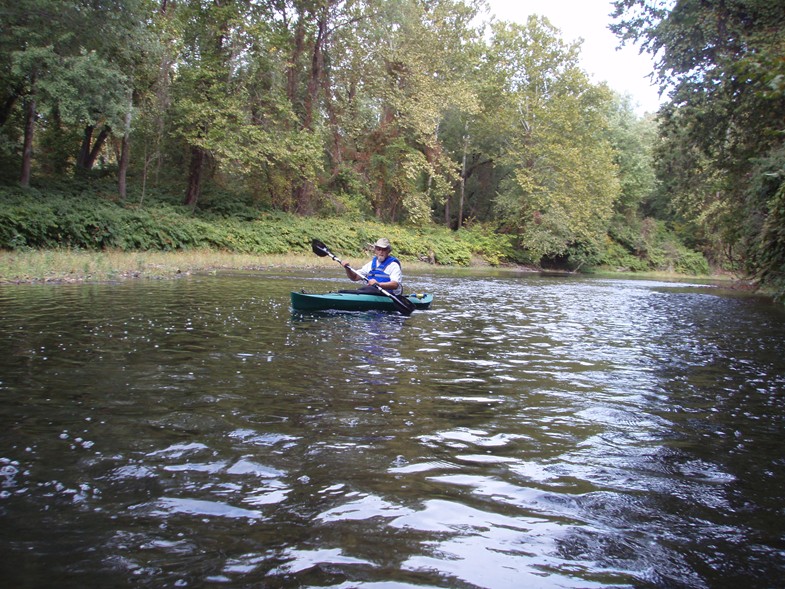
[
  {"x": 319, "y": 248},
  {"x": 402, "y": 304}
]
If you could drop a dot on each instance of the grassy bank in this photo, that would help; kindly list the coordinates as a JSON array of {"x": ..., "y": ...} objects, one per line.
[
  {"x": 42, "y": 266},
  {"x": 50, "y": 219},
  {"x": 60, "y": 236},
  {"x": 81, "y": 266},
  {"x": 64, "y": 266}
]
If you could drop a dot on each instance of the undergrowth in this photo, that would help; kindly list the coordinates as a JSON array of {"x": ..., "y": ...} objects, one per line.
[{"x": 55, "y": 218}]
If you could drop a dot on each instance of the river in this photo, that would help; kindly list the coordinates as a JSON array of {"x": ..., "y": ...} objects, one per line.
[{"x": 527, "y": 431}]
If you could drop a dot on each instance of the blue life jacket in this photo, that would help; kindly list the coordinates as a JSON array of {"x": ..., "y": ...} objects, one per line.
[{"x": 378, "y": 270}]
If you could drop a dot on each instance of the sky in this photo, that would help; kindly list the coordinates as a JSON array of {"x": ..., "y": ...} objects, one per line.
[{"x": 624, "y": 70}]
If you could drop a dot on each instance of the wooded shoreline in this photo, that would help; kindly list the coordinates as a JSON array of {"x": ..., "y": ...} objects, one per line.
[{"x": 163, "y": 132}]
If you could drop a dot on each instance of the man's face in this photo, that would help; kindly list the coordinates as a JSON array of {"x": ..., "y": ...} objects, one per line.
[{"x": 381, "y": 253}]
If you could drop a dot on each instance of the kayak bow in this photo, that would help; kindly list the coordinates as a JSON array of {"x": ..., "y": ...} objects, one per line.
[{"x": 353, "y": 302}]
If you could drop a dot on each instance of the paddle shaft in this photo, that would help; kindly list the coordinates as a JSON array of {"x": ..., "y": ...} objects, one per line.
[{"x": 355, "y": 272}]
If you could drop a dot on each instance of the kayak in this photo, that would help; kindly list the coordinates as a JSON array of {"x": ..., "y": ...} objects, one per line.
[{"x": 341, "y": 301}]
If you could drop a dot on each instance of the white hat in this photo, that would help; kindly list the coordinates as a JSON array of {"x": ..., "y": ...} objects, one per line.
[{"x": 383, "y": 243}]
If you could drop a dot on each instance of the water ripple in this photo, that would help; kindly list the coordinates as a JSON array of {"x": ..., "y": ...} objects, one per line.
[{"x": 527, "y": 431}]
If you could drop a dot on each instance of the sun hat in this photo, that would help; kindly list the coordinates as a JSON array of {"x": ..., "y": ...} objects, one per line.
[{"x": 383, "y": 243}]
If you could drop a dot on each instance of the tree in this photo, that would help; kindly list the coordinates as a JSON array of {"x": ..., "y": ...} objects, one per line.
[
  {"x": 227, "y": 99},
  {"x": 32, "y": 39},
  {"x": 391, "y": 79},
  {"x": 564, "y": 181},
  {"x": 69, "y": 81},
  {"x": 203, "y": 82},
  {"x": 633, "y": 140},
  {"x": 722, "y": 63}
]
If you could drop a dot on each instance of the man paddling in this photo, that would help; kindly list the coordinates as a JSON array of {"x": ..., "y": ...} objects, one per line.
[{"x": 383, "y": 270}]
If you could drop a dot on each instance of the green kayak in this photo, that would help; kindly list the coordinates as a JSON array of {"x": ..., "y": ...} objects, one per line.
[{"x": 353, "y": 302}]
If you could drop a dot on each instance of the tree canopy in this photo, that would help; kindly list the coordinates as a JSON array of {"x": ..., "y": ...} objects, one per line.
[
  {"x": 411, "y": 112},
  {"x": 721, "y": 156}
]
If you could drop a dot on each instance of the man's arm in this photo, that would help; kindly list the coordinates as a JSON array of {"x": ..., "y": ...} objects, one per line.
[{"x": 352, "y": 274}]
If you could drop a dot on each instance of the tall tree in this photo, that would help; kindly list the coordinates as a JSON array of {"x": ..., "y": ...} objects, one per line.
[
  {"x": 419, "y": 68},
  {"x": 722, "y": 63},
  {"x": 33, "y": 37},
  {"x": 226, "y": 101},
  {"x": 564, "y": 181},
  {"x": 203, "y": 79}
]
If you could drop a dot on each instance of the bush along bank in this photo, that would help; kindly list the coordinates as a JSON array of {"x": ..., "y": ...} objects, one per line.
[{"x": 36, "y": 219}]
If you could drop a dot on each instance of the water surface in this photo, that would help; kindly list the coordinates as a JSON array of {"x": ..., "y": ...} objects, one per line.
[{"x": 527, "y": 431}]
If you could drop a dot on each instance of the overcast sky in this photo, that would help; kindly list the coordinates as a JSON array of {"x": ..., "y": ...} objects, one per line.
[{"x": 624, "y": 70}]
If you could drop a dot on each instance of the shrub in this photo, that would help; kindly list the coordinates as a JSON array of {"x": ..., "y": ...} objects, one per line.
[{"x": 65, "y": 217}]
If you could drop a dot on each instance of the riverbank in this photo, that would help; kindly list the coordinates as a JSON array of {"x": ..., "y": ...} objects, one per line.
[
  {"x": 72, "y": 266},
  {"x": 64, "y": 266}
]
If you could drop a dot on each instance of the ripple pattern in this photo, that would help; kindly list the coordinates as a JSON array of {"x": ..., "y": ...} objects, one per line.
[{"x": 527, "y": 431}]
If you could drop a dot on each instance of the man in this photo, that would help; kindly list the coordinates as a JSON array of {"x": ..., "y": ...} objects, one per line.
[{"x": 383, "y": 270}]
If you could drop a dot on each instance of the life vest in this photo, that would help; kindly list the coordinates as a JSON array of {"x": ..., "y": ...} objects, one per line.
[{"x": 378, "y": 270}]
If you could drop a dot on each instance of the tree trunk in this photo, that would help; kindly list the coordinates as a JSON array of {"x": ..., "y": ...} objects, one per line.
[
  {"x": 336, "y": 150},
  {"x": 97, "y": 146},
  {"x": 122, "y": 168},
  {"x": 84, "y": 150},
  {"x": 195, "y": 173},
  {"x": 88, "y": 154},
  {"x": 292, "y": 79},
  {"x": 303, "y": 194},
  {"x": 317, "y": 66},
  {"x": 303, "y": 198},
  {"x": 27, "y": 148},
  {"x": 463, "y": 178}
]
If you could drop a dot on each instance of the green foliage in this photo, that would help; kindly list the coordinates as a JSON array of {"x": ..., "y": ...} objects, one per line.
[
  {"x": 618, "y": 257},
  {"x": 649, "y": 245},
  {"x": 29, "y": 219},
  {"x": 87, "y": 90},
  {"x": 633, "y": 140},
  {"x": 451, "y": 252},
  {"x": 35, "y": 219},
  {"x": 348, "y": 197},
  {"x": 765, "y": 232},
  {"x": 720, "y": 155},
  {"x": 494, "y": 248},
  {"x": 564, "y": 180},
  {"x": 352, "y": 206}
]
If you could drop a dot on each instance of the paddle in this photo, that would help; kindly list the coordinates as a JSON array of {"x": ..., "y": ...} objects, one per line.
[{"x": 403, "y": 305}]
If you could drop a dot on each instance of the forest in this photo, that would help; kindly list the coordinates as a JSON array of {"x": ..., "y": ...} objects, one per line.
[{"x": 422, "y": 114}]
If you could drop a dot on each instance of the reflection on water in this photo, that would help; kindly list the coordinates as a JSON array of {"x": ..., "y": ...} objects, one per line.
[{"x": 543, "y": 432}]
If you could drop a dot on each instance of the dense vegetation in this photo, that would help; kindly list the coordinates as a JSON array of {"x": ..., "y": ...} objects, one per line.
[
  {"x": 81, "y": 222},
  {"x": 720, "y": 155},
  {"x": 405, "y": 117},
  {"x": 84, "y": 221}
]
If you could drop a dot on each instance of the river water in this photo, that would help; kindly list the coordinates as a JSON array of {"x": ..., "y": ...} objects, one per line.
[{"x": 527, "y": 431}]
